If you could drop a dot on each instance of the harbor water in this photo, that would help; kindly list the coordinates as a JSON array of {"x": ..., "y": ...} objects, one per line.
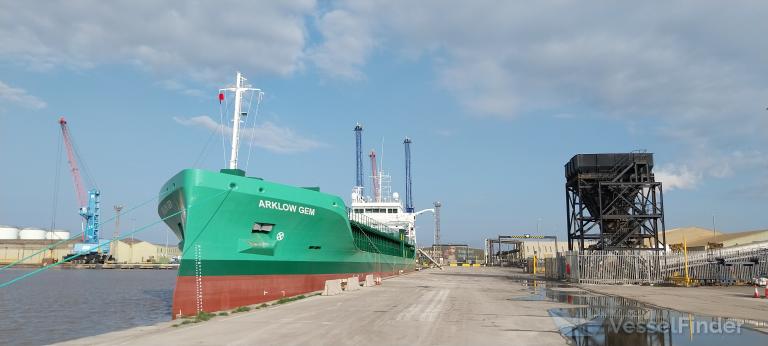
[{"x": 64, "y": 304}]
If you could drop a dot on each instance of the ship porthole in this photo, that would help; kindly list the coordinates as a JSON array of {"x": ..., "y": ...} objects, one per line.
[
  {"x": 334, "y": 204},
  {"x": 261, "y": 189},
  {"x": 232, "y": 185}
]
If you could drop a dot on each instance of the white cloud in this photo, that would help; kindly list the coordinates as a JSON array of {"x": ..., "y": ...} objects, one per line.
[
  {"x": 9, "y": 94},
  {"x": 657, "y": 59},
  {"x": 266, "y": 135},
  {"x": 673, "y": 177},
  {"x": 201, "y": 39},
  {"x": 347, "y": 43},
  {"x": 175, "y": 85},
  {"x": 709, "y": 164}
]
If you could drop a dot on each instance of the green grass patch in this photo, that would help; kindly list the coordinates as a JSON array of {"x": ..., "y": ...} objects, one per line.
[
  {"x": 241, "y": 309},
  {"x": 223, "y": 313},
  {"x": 204, "y": 316},
  {"x": 263, "y": 305},
  {"x": 289, "y": 299}
]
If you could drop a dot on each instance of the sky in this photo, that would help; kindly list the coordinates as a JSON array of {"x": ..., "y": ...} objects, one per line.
[{"x": 496, "y": 96}]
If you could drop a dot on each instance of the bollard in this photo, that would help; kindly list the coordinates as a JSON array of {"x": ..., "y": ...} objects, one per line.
[
  {"x": 353, "y": 284},
  {"x": 369, "y": 281},
  {"x": 332, "y": 287}
]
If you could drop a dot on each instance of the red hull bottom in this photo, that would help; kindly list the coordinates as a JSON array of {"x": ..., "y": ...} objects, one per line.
[{"x": 216, "y": 293}]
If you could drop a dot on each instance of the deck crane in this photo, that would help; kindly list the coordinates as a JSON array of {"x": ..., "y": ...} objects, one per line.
[{"x": 88, "y": 250}]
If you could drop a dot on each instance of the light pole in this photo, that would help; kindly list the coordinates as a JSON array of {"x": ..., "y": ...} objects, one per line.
[
  {"x": 167, "y": 253},
  {"x": 130, "y": 246},
  {"x": 116, "y": 235}
]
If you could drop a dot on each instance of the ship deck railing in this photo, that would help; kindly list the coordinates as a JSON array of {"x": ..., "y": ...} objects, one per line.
[{"x": 374, "y": 224}]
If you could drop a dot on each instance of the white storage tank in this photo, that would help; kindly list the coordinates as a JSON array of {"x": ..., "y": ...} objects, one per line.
[
  {"x": 32, "y": 234},
  {"x": 9, "y": 232},
  {"x": 57, "y": 234}
]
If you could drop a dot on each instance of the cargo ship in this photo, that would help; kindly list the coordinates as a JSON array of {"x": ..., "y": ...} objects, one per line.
[{"x": 246, "y": 240}]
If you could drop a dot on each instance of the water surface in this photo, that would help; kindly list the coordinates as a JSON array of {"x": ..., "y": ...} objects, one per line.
[{"x": 64, "y": 304}]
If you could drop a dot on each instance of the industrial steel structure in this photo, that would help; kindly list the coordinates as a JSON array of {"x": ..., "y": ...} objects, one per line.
[
  {"x": 437, "y": 205},
  {"x": 615, "y": 201}
]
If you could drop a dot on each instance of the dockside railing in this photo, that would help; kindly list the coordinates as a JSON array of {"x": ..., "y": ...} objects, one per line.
[{"x": 718, "y": 266}]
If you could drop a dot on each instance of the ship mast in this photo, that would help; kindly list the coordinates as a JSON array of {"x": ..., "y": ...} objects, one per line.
[{"x": 238, "y": 89}]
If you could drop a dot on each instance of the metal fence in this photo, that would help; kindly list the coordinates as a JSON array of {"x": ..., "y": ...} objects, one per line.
[{"x": 722, "y": 266}]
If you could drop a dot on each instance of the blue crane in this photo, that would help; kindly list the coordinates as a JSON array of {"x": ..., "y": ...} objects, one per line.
[{"x": 89, "y": 207}]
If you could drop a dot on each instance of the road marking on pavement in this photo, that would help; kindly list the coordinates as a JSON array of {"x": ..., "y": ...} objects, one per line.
[{"x": 426, "y": 308}]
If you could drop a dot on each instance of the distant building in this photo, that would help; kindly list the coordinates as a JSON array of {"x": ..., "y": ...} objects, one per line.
[
  {"x": 542, "y": 248},
  {"x": 12, "y": 250},
  {"x": 139, "y": 251},
  {"x": 691, "y": 234},
  {"x": 730, "y": 239},
  {"x": 699, "y": 239},
  {"x": 455, "y": 253}
]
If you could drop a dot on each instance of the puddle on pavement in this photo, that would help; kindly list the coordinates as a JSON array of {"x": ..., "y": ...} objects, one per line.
[{"x": 597, "y": 320}]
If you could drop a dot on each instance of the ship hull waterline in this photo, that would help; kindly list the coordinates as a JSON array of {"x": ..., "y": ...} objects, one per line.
[{"x": 217, "y": 293}]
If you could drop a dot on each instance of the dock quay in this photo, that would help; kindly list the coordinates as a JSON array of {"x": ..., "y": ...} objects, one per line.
[
  {"x": 454, "y": 306},
  {"x": 467, "y": 306}
]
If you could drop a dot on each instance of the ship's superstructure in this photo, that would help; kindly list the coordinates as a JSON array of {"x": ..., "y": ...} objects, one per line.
[{"x": 382, "y": 204}]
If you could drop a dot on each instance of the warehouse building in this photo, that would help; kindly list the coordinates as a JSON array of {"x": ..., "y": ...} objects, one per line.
[
  {"x": 699, "y": 239},
  {"x": 725, "y": 240},
  {"x": 139, "y": 251},
  {"x": 28, "y": 250}
]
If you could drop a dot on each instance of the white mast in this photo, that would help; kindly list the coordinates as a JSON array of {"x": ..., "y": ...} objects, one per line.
[{"x": 238, "y": 89}]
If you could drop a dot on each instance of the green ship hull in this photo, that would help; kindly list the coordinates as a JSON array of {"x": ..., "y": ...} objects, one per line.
[{"x": 245, "y": 240}]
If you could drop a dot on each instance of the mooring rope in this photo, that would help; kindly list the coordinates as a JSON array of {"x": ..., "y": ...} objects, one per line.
[{"x": 65, "y": 260}]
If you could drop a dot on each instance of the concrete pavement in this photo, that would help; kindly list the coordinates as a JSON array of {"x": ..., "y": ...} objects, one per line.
[{"x": 455, "y": 306}]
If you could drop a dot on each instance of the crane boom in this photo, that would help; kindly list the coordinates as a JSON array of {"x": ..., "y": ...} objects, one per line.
[{"x": 82, "y": 198}]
